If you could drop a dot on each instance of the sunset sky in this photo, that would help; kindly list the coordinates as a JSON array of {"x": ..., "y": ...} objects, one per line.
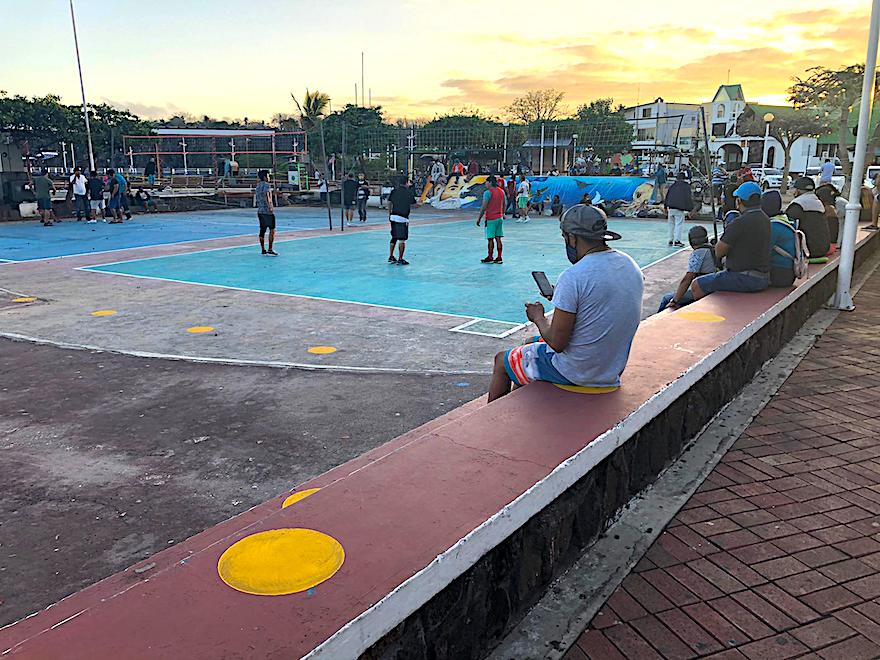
[{"x": 423, "y": 57}]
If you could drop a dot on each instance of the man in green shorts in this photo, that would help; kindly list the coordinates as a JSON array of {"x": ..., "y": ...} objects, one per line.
[{"x": 493, "y": 209}]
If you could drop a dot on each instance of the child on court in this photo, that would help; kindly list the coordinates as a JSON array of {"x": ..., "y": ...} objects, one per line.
[
  {"x": 523, "y": 194},
  {"x": 700, "y": 262},
  {"x": 493, "y": 209}
]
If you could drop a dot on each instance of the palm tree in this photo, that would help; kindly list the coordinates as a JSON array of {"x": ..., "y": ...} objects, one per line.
[{"x": 312, "y": 108}]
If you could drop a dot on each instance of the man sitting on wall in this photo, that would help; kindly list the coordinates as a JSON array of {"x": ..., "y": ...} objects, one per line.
[
  {"x": 745, "y": 246},
  {"x": 808, "y": 214},
  {"x": 598, "y": 303}
]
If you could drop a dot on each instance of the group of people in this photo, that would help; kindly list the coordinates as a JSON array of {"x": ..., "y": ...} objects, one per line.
[
  {"x": 109, "y": 196},
  {"x": 762, "y": 246}
]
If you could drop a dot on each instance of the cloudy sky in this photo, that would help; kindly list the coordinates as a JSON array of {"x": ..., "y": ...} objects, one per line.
[{"x": 423, "y": 57}]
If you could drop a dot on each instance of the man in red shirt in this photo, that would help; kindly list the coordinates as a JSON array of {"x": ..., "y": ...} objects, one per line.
[{"x": 493, "y": 209}]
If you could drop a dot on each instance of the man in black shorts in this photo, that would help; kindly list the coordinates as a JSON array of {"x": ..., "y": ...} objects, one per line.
[
  {"x": 265, "y": 211},
  {"x": 400, "y": 202},
  {"x": 349, "y": 198}
]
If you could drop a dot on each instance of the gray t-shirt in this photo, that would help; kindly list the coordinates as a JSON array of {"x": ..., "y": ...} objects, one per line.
[
  {"x": 604, "y": 291},
  {"x": 261, "y": 194}
]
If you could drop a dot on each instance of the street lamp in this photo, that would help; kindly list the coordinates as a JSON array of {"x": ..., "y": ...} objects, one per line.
[{"x": 768, "y": 119}]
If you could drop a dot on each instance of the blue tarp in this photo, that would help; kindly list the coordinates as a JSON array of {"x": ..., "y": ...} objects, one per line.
[{"x": 570, "y": 189}]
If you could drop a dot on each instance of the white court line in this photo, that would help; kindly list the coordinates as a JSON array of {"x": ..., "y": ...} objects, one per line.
[
  {"x": 463, "y": 328},
  {"x": 93, "y": 269}
]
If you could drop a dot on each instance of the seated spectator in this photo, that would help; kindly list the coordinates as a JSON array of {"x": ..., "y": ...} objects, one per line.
[
  {"x": 586, "y": 200},
  {"x": 536, "y": 204},
  {"x": 598, "y": 303},
  {"x": 700, "y": 262},
  {"x": 143, "y": 199},
  {"x": 783, "y": 241},
  {"x": 556, "y": 206},
  {"x": 745, "y": 246},
  {"x": 808, "y": 213},
  {"x": 828, "y": 195}
]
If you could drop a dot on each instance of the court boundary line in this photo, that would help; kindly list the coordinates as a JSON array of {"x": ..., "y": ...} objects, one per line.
[
  {"x": 238, "y": 362},
  {"x": 92, "y": 269},
  {"x": 462, "y": 328}
]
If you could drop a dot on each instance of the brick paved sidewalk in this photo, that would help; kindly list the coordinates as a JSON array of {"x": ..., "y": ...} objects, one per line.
[{"x": 778, "y": 553}]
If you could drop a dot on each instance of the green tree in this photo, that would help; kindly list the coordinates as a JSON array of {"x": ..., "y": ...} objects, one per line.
[
  {"x": 312, "y": 108},
  {"x": 604, "y": 127},
  {"x": 788, "y": 126},
  {"x": 835, "y": 93},
  {"x": 539, "y": 105}
]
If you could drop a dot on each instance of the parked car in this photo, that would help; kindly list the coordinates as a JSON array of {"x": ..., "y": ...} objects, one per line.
[
  {"x": 769, "y": 178},
  {"x": 838, "y": 179},
  {"x": 870, "y": 174}
]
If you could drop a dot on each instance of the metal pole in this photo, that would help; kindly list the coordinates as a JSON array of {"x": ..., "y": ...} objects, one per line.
[
  {"x": 72, "y": 155},
  {"x": 64, "y": 154},
  {"x": 554, "y": 163},
  {"x": 185, "y": 168},
  {"x": 764, "y": 150},
  {"x": 355, "y": 94},
  {"x": 130, "y": 159},
  {"x": 506, "y": 161},
  {"x": 363, "y": 86},
  {"x": 709, "y": 171},
  {"x": 412, "y": 146},
  {"x": 274, "y": 172},
  {"x": 326, "y": 174},
  {"x": 541, "y": 156},
  {"x": 843, "y": 298},
  {"x": 342, "y": 178},
  {"x": 82, "y": 88}
]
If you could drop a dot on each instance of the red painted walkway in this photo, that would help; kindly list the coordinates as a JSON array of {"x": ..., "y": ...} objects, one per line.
[{"x": 778, "y": 553}]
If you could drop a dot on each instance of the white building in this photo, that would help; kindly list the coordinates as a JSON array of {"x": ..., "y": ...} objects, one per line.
[
  {"x": 663, "y": 130},
  {"x": 723, "y": 114}
]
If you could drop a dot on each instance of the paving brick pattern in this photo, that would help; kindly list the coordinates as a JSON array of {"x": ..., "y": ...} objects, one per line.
[{"x": 777, "y": 555}]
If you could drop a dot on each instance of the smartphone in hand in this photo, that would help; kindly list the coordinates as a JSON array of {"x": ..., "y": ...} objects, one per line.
[{"x": 543, "y": 283}]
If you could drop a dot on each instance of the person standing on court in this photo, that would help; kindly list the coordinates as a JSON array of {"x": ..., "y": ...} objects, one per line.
[
  {"x": 363, "y": 196},
  {"x": 349, "y": 198},
  {"x": 114, "y": 205},
  {"x": 79, "y": 186},
  {"x": 150, "y": 171},
  {"x": 493, "y": 209},
  {"x": 125, "y": 191},
  {"x": 265, "y": 212},
  {"x": 43, "y": 189},
  {"x": 678, "y": 202},
  {"x": 660, "y": 183},
  {"x": 523, "y": 195},
  {"x": 400, "y": 203},
  {"x": 96, "y": 196}
]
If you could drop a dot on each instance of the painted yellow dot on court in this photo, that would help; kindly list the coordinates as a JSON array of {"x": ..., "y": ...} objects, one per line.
[
  {"x": 322, "y": 350},
  {"x": 200, "y": 329},
  {"x": 279, "y": 562},
  {"x": 24, "y": 299},
  {"x": 586, "y": 390},
  {"x": 701, "y": 317},
  {"x": 105, "y": 312},
  {"x": 296, "y": 497}
]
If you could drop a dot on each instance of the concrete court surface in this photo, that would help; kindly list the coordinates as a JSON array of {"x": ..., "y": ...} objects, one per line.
[
  {"x": 152, "y": 315},
  {"x": 107, "y": 459}
]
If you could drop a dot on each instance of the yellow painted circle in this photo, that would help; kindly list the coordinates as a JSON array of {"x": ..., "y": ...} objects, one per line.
[
  {"x": 24, "y": 299},
  {"x": 296, "y": 497},
  {"x": 586, "y": 390},
  {"x": 200, "y": 329},
  {"x": 322, "y": 350},
  {"x": 702, "y": 317},
  {"x": 105, "y": 312},
  {"x": 280, "y": 561}
]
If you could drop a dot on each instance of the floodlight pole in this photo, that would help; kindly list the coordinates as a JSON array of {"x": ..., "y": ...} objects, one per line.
[
  {"x": 842, "y": 299},
  {"x": 541, "y": 154},
  {"x": 82, "y": 89}
]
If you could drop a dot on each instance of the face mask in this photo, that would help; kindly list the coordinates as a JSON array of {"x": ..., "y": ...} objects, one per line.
[{"x": 571, "y": 252}]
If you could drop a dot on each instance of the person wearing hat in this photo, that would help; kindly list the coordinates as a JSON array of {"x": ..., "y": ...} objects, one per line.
[
  {"x": 700, "y": 262},
  {"x": 807, "y": 212},
  {"x": 745, "y": 246},
  {"x": 598, "y": 304},
  {"x": 679, "y": 201}
]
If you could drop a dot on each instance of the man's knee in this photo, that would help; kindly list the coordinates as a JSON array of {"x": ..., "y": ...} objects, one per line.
[
  {"x": 499, "y": 360},
  {"x": 262, "y": 232}
]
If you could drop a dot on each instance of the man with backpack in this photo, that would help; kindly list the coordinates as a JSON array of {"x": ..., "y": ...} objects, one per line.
[
  {"x": 788, "y": 259},
  {"x": 700, "y": 262}
]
